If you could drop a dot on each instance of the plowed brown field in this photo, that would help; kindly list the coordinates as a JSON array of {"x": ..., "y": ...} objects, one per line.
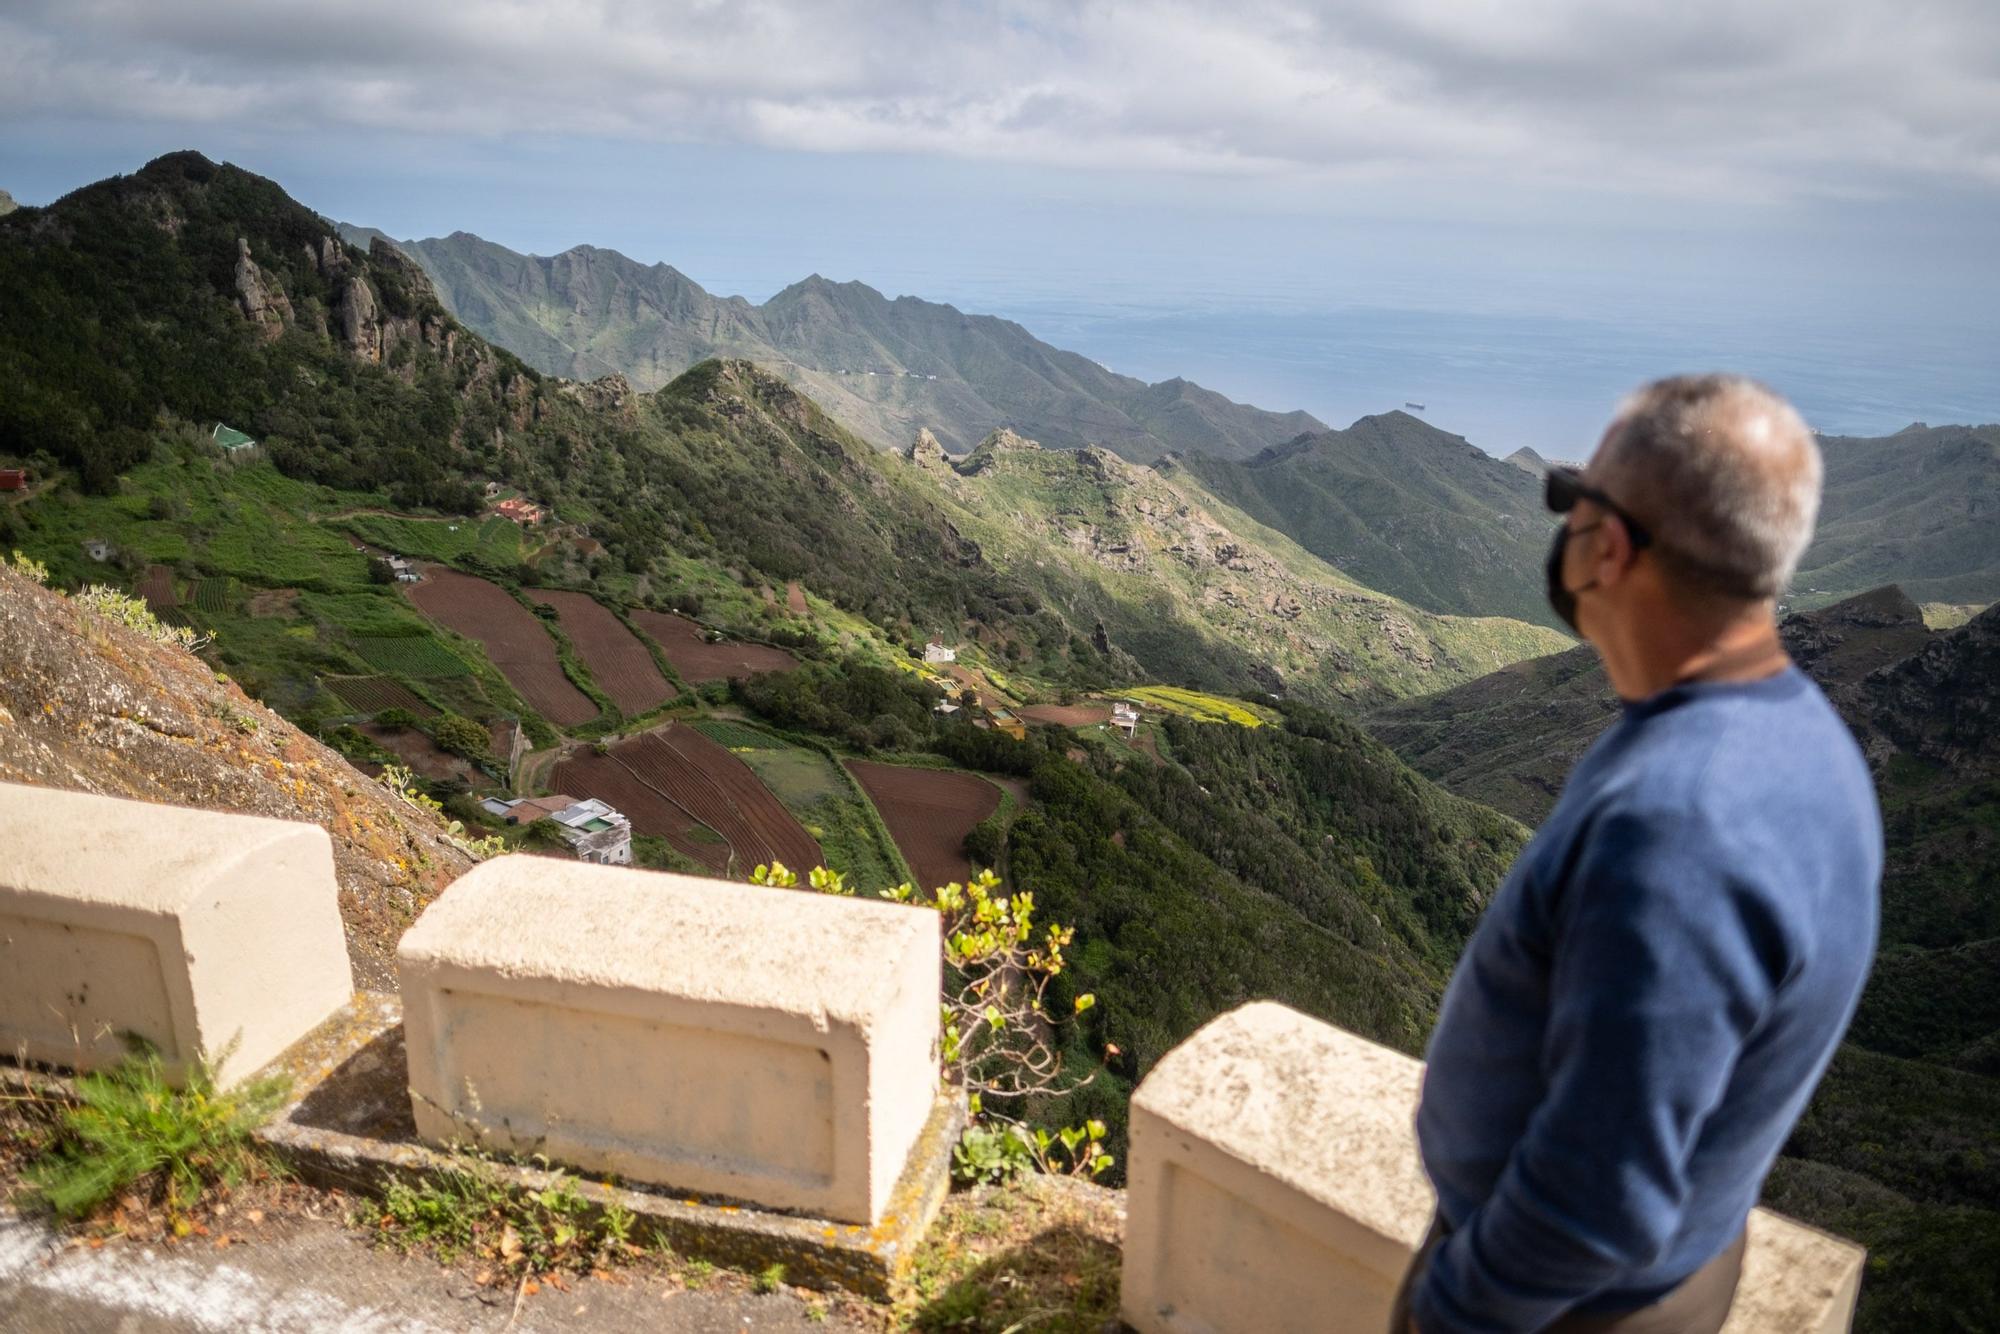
[
  {"x": 512, "y": 636},
  {"x": 677, "y": 780},
  {"x": 621, "y": 664},
  {"x": 157, "y": 588},
  {"x": 929, "y": 812},
  {"x": 584, "y": 774},
  {"x": 680, "y": 639},
  {"x": 1066, "y": 715}
]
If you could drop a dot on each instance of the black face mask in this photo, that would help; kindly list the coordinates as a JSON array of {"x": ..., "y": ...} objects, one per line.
[{"x": 1561, "y": 597}]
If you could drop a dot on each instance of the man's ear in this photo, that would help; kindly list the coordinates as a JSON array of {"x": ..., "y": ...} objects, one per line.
[{"x": 1612, "y": 556}]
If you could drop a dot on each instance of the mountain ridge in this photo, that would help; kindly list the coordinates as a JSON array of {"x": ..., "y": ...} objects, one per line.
[{"x": 587, "y": 310}]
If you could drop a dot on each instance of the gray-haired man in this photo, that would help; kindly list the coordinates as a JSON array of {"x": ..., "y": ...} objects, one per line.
[{"x": 1656, "y": 989}]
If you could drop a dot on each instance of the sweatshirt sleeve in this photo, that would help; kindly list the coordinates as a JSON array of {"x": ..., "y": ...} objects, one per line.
[{"x": 1662, "y": 964}]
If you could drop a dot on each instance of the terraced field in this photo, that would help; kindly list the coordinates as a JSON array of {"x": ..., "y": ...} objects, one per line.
[
  {"x": 214, "y": 594},
  {"x": 698, "y": 660},
  {"x": 156, "y": 586},
  {"x": 1066, "y": 715},
  {"x": 720, "y": 791},
  {"x": 585, "y": 774},
  {"x": 674, "y": 781},
  {"x": 409, "y": 655},
  {"x": 373, "y": 694},
  {"x": 619, "y": 662},
  {"x": 929, "y": 812},
  {"x": 511, "y": 635}
]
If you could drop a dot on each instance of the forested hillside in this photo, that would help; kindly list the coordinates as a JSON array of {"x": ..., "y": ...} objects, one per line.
[{"x": 886, "y": 367}]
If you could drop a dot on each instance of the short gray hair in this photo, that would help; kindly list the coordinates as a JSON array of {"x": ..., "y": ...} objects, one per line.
[{"x": 1724, "y": 473}]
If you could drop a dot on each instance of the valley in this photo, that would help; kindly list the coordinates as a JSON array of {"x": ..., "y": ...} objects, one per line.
[{"x": 771, "y": 613}]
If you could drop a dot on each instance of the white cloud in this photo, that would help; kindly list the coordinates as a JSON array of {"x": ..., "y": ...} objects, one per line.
[{"x": 1678, "y": 98}]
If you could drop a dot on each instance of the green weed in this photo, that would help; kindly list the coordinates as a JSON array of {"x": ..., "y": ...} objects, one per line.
[{"x": 129, "y": 1130}]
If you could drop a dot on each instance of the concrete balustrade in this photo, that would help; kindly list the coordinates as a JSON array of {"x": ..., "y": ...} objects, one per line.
[
  {"x": 205, "y": 934},
  {"x": 1275, "y": 1186},
  {"x": 772, "y": 1046}
]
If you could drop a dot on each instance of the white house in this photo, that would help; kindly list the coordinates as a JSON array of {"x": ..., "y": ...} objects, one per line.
[
  {"x": 1125, "y": 717},
  {"x": 937, "y": 652},
  {"x": 594, "y": 829}
]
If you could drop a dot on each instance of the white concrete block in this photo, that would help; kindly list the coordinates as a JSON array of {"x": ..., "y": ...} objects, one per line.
[
  {"x": 774, "y": 1046},
  {"x": 1275, "y": 1185},
  {"x": 193, "y": 930}
]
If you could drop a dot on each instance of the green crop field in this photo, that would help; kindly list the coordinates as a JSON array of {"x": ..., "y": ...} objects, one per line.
[
  {"x": 737, "y": 736},
  {"x": 823, "y": 798},
  {"x": 214, "y": 593},
  {"x": 495, "y": 542},
  {"x": 409, "y": 655}
]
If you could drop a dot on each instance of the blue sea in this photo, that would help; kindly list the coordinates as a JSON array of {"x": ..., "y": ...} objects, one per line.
[{"x": 1545, "y": 380}]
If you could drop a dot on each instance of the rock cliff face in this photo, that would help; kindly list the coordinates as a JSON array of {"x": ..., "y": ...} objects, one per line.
[
  {"x": 90, "y": 705},
  {"x": 268, "y": 308}
]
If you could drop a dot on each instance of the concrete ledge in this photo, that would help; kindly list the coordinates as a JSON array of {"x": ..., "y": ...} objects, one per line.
[
  {"x": 1275, "y": 1185},
  {"x": 205, "y": 934},
  {"x": 349, "y": 1126},
  {"x": 771, "y": 1045}
]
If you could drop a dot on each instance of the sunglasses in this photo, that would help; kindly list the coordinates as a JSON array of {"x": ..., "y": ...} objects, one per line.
[{"x": 1565, "y": 486}]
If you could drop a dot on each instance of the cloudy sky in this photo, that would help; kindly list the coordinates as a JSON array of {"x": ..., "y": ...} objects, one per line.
[{"x": 1826, "y": 160}]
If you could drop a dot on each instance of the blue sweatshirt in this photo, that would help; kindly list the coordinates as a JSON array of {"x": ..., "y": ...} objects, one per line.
[{"x": 1649, "y": 1001}]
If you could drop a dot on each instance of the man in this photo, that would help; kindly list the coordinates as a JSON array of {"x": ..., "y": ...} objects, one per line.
[{"x": 1659, "y": 984}]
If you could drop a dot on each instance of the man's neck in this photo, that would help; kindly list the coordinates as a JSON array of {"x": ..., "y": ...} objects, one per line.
[{"x": 1659, "y": 651}]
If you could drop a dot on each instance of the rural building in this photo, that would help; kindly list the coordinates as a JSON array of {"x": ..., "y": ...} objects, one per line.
[
  {"x": 594, "y": 830},
  {"x": 97, "y": 548},
  {"x": 936, "y": 652},
  {"x": 1005, "y": 721},
  {"x": 13, "y": 479},
  {"x": 405, "y": 572},
  {"x": 1125, "y": 717},
  {"x": 945, "y": 707},
  {"x": 234, "y": 442},
  {"x": 523, "y": 512}
]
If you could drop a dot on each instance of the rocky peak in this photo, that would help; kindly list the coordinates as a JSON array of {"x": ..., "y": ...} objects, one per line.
[{"x": 7, "y": 204}]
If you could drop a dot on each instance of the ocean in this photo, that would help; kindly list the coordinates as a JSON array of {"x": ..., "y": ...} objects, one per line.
[{"x": 1545, "y": 380}]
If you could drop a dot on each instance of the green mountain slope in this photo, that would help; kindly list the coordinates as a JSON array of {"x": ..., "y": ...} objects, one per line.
[
  {"x": 888, "y": 368},
  {"x": 1403, "y": 507},
  {"x": 1920, "y": 508},
  {"x": 1181, "y": 580},
  {"x": 195, "y": 293}
]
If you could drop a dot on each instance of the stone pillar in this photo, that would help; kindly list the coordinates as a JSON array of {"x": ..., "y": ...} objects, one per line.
[
  {"x": 205, "y": 934},
  {"x": 777, "y": 1047},
  {"x": 1275, "y": 1186}
]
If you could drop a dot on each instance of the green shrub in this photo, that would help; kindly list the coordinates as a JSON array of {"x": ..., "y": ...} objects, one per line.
[
  {"x": 460, "y": 736},
  {"x": 128, "y": 1129}
]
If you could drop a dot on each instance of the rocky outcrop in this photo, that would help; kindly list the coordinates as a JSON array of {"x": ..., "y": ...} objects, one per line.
[
  {"x": 927, "y": 453},
  {"x": 262, "y": 303},
  {"x": 7, "y": 204},
  {"x": 358, "y": 319}
]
